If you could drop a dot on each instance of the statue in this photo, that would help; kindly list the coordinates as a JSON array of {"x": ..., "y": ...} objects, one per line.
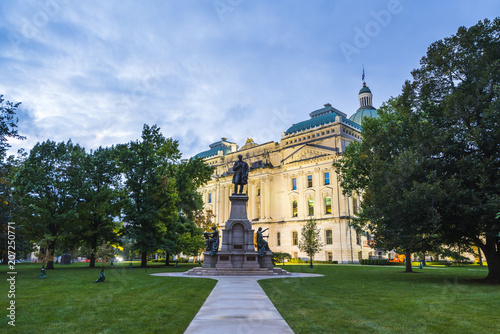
[
  {"x": 212, "y": 241},
  {"x": 42, "y": 273},
  {"x": 102, "y": 277},
  {"x": 262, "y": 245},
  {"x": 240, "y": 176}
]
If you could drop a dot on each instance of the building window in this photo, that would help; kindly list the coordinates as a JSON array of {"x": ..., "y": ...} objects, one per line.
[
  {"x": 355, "y": 205},
  {"x": 278, "y": 239},
  {"x": 309, "y": 181},
  {"x": 294, "y": 183},
  {"x": 295, "y": 238},
  {"x": 327, "y": 178},
  {"x": 358, "y": 239},
  {"x": 329, "y": 239},
  {"x": 209, "y": 197},
  {"x": 329, "y": 256},
  {"x": 328, "y": 205},
  {"x": 258, "y": 192},
  {"x": 310, "y": 204},
  {"x": 294, "y": 209}
]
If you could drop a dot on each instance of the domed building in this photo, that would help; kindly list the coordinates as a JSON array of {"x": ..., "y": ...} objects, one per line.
[
  {"x": 292, "y": 181},
  {"x": 366, "y": 108}
]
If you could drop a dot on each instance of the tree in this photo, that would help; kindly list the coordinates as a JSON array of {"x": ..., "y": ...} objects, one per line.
[
  {"x": 152, "y": 198},
  {"x": 8, "y": 125},
  {"x": 436, "y": 150},
  {"x": 8, "y": 129},
  {"x": 393, "y": 170},
  {"x": 99, "y": 202},
  {"x": 47, "y": 188},
  {"x": 183, "y": 235},
  {"x": 457, "y": 90},
  {"x": 310, "y": 240}
]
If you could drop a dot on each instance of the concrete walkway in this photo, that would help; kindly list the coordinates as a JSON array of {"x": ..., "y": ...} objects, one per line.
[{"x": 238, "y": 305}]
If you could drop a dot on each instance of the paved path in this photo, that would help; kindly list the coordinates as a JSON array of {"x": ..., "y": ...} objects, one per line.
[{"x": 238, "y": 305}]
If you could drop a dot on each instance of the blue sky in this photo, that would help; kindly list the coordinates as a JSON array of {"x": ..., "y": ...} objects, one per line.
[{"x": 96, "y": 71}]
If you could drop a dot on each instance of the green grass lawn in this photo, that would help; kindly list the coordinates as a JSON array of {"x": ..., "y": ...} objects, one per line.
[
  {"x": 349, "y": 299},
  {"x": 129, "y": 301},
  {"x": 376, "y": 299}
]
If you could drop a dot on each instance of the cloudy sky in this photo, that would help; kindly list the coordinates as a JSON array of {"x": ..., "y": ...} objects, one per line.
[{"x": 96, "y": 71}]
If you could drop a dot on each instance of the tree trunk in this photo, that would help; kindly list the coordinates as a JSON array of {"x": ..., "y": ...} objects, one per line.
[
  {"x": 423, "y": 261},
  {"x": 51, "y": 250},
  {"x": 92, "y": 260},
  {"x": 167, "y": 259},
  {"x": 408, "y": 262},
  {"x": 5, "y": 258},
  {"x": 144, "y": 259},
  {"x": 92, "y": 252},
  {"x": 492, "y": 254},
  {"x": 310, "y": 262}
]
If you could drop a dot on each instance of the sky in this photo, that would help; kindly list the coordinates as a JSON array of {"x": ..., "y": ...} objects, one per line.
[{"x": 96, "y": 71}]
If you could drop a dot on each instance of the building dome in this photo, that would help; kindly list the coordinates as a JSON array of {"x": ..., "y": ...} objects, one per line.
[
  {"x": 362, "y": 113},
  {"x": 366, "y": 108},
  {"x": 365, "y": 90}
]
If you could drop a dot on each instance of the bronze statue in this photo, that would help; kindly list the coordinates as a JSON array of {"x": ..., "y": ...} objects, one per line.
[
  {"x": 262, "y": 245},
  {"x": 212, "y": 244},
  {"x": 102, "y": 277},
  {"x": 240, "y": 176},
  {"x": 42, "y": 273}
]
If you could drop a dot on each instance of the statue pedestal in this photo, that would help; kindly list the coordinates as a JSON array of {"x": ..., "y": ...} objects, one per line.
[{"x": 237, "y": 255}]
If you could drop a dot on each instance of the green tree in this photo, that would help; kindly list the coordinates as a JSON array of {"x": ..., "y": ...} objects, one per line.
[
  {"x": 310, "y": 240},
  {"x": 393, "y": 170},
  {"x": 47, "y": 188},
  {"x": 99, "y": 202},
  {"x": 436, "y": 150},
  {"x": 8, "y": 129},
  {"x": 457, "y": 90},
  {"x": 183, "y": 235},
  {"x": 152, "y": 198}
]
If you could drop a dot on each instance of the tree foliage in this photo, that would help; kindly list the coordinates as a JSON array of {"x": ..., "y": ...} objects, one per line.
[
  {"x": 441, "y": 158},
  {"x": 47, "y": 191},
  {"x": 310, "y": 240},
  {"x": 99, "y": 202}
]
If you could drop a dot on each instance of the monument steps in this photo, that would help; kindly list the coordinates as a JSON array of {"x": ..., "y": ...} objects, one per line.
[{"x": 200, "y": 271}]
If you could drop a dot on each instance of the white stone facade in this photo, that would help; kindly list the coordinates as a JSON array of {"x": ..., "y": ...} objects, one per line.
[{"x": 292, "y": 181}]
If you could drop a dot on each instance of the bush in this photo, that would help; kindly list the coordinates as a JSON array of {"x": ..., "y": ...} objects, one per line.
[{"x": 377, "y": 262}]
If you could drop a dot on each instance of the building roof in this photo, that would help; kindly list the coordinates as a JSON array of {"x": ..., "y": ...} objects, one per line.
[
  {"x": 320, "y": 117},
  {"x": 364, "y": 90},
  {"x": 222, "y": 145},
  {"x": 367, "y": 111}
]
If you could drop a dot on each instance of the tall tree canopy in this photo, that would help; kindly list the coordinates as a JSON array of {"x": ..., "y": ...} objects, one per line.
[
  {"x": 99, "y": 202},
  {"x": 151, "y": 205},
  {"x": 451, "y": 166},
  {"x": 47, "y": 189}
]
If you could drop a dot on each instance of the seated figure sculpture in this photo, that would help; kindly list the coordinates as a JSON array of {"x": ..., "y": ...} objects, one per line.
[
  {"x": 262, "y": 245},
  {"x": 212, "y": 244}
]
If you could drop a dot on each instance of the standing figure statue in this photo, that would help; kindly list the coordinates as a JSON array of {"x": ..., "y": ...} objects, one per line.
[
  {"x": 42, "y": 273},
  {"x": 240, "y": 176},
  {"x": 212, "y": 244},
  {"x": 262, "y": 245}
]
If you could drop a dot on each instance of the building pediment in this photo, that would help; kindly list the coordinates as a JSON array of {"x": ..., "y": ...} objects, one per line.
[{"x": 306, "y": 152}]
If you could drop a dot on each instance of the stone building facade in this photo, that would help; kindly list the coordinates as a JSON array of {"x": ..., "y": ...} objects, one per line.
[{"x": 292, "y": 181}]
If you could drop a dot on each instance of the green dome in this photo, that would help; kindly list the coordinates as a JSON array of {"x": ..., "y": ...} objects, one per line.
[{"x": 363, "y": 112}]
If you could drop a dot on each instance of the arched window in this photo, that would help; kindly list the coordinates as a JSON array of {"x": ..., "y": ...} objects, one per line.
[
  {"x": 328, "y": 205},
  {"x": 328, "y": 237},
  {"x": 294, "y": 209},
  {"x": 310, "y": 204},
  {"x": 295, "y": 238}
]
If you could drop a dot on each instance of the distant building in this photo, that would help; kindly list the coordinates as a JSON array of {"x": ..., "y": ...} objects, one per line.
[{"x": 293, "y": 180}]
